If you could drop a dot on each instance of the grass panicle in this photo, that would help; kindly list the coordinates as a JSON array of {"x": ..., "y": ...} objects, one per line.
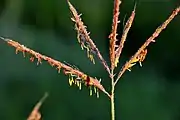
[{"x": 76, "y": 77}]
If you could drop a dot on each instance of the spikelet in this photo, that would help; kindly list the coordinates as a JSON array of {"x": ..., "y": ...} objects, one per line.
[
  {"x": 85, "y": 80},
  {"x": 85, "y": 44},
  {"x": 140, "y": 58}
]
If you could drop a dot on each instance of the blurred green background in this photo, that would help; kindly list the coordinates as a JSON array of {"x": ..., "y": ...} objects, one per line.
[{"x": 148, "y": 93}]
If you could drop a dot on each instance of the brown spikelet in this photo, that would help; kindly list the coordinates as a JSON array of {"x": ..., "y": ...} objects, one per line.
[
  {"x": 148, "y": 41},
  {"x": 35, "y": 114},
  {"x": 84, "y": 38},
  {"x": 68, "y": 70},
  {"x": 124, "y": 36},
  {"x": 113, "y": 34},
  {"x": 140, "y": 58}
]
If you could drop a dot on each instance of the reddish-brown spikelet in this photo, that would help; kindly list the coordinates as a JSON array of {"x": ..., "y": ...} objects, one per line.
[
  {"x": 84, "y": 38},
  {"x": 68, "y": 70},
  {"x": 148, "y": 41},
  {"x": 113, "y": 34},
  {"x": 35, "y": 114},
  {"x": 124, "y": 36}
]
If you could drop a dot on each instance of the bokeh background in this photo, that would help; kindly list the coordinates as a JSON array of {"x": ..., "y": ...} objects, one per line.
[{"x": 148, "y": 93}]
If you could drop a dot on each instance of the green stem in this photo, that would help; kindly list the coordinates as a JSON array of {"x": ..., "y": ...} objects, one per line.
[
  {"x": 112, "y": 97},
  {"x": 112, "y": 106}
]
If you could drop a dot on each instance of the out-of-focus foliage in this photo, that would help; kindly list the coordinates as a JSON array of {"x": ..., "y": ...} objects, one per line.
[{"x": 148, "y": 93}]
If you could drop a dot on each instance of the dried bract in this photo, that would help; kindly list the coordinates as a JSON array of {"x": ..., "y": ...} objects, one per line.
[{"x": 35, "y": 114}]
